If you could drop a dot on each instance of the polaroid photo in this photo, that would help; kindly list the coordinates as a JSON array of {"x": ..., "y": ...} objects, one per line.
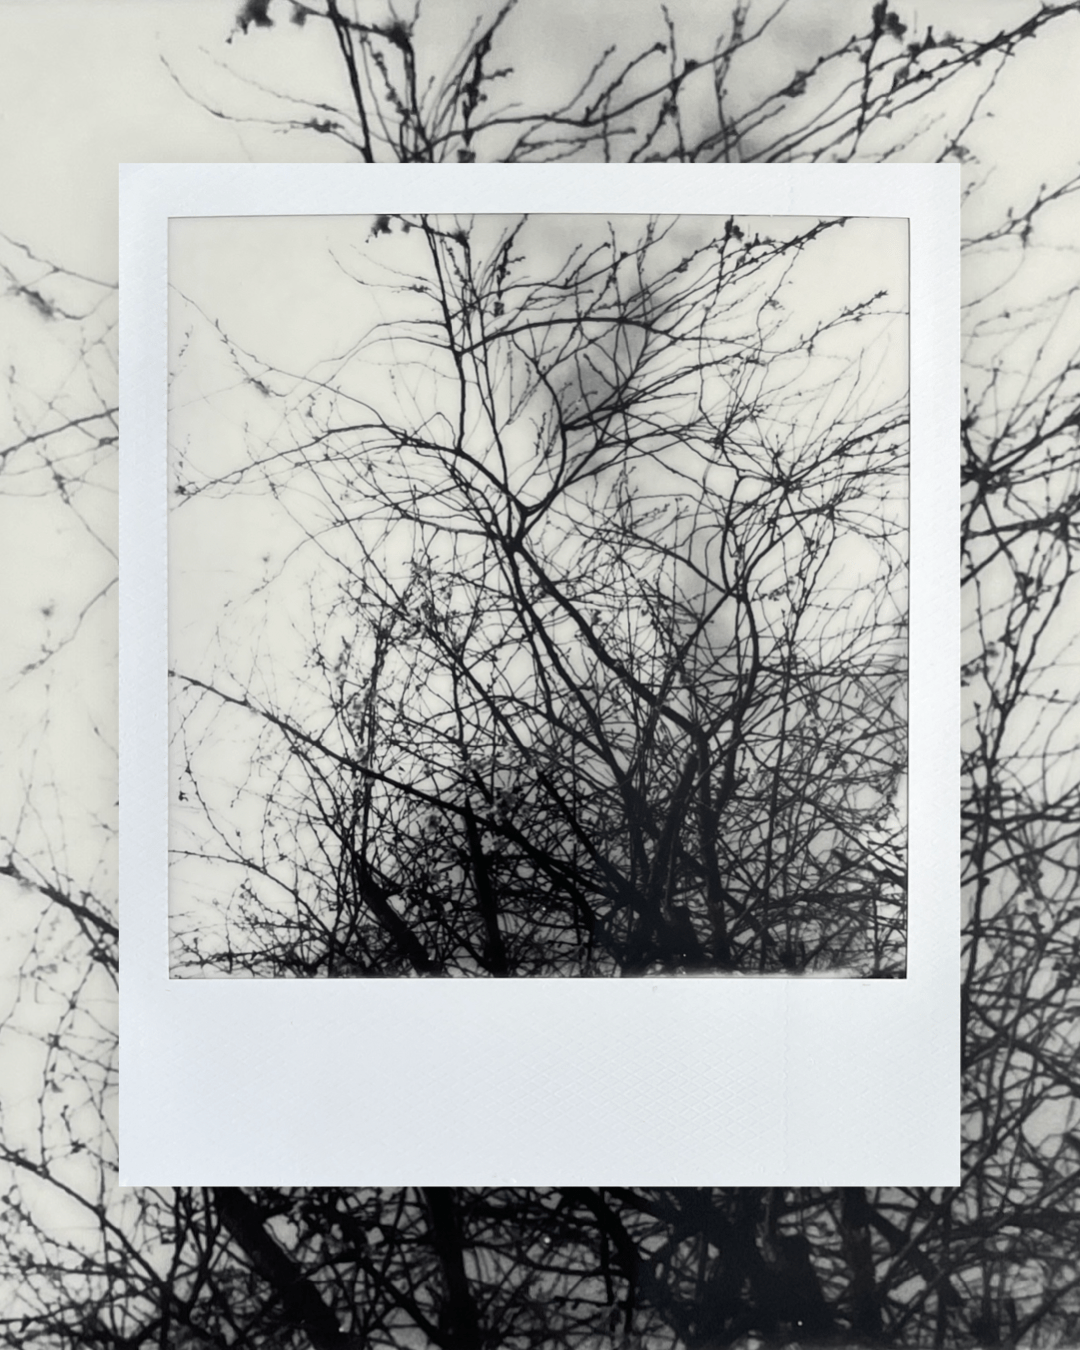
[{"x": 540, "y": 733}]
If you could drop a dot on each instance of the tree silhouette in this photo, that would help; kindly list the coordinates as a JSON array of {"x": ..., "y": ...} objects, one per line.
[
  {"x": 589, "y": 687},
  {"x": 991, "y": 1261}
]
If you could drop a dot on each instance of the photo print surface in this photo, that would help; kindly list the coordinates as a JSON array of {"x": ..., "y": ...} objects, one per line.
[
  {"x": 538, "y": 595},
  {"x": 89, "y": 1262}
]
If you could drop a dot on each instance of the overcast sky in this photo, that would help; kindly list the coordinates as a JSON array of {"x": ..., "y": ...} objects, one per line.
[{"x": 83, "y": 87}]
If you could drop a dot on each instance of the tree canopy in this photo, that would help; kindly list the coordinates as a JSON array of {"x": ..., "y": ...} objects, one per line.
[
  {"x": 989, "y": 1262},
  {"x": 596, "y": 542}
]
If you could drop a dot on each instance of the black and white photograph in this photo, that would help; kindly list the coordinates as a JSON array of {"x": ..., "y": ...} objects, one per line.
[
  {"x": 538, "y": 595},
  {"x": 850, "y": 1262}
]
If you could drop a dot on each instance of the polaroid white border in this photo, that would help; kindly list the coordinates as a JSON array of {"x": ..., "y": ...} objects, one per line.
[{"x": 491, "y": 1082}]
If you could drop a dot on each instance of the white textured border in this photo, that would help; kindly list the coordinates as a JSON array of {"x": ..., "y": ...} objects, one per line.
[{"x": 737, "y": 1082}]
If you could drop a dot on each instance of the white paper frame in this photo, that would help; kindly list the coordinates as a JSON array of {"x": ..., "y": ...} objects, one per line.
[{"x": 485, "y": 1082}]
